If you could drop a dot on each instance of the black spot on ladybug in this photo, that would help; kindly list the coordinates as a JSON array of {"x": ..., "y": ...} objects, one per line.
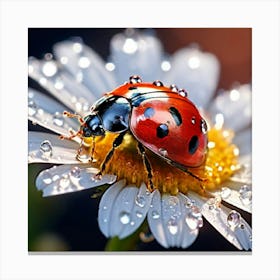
[
  {"x": 193, "y": 145},
  {"x": 176, "y": 115},
  {"x": 162, "y": 130},
  {"x": 149, "y": 112},
  {"x": 132, "y": 88}
]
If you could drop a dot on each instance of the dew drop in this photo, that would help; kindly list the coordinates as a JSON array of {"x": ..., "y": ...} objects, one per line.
[
  {"x": 140, "y": 200},
  {"x": 58, "y": 84},
  {"x": 245, "y": 193},
  {"x": 84, "y": 62},
  {"x": 158, "y": 83},
  {"x": 172, "y": 226},
  {"x": 155, "y": 214},
  {"x": 193, "y": 222},
  {"x": 139, "y": 214},
  {"x": 163, "y": 152},
  {"x": 173, "y": 88},
  {"x": 135, "y": 79},
  {"x": 203, "y": 126},
  {"x": 233, "y": 219},
  {"x": 58, "y": 119},
  {"x": 130, "y": 46},
  {"x": 193, "y": 120},
  {"x": 46, "y": 149},
  {"x": 124, "y": 218},
  {"x": 46, "y": 177},
  {"x": 165, "y": 65},
  {"x": 32, "y": 108},
  {"x": 225, "y": 193},
  {"x": 75, "y": 172},
  {"x": 110, "y": 66},
  {"x": 49, "y": 68},
  {"x": 183, "y": 92},
  {"x": 64, "y": 183}
]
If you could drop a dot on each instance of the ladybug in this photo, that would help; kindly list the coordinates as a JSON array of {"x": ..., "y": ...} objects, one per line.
[{"x": 162, "y": 119}]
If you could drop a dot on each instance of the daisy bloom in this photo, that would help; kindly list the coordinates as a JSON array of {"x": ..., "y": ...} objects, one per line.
[{"x": 177, "y": 205}]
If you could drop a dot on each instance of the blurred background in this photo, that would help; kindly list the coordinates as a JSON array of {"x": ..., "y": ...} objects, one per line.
[{"x": 69, "y": 222}]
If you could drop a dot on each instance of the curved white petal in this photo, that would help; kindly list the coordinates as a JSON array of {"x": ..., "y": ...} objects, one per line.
[
  {"x": 106, "y": 206},
  {"x": 141, "y": 205},
  {"x": 135, "y": 53},
  {"x": 195, "y": 71},
  {"x": 218, "y": 218},
  {"x": 48, "y": 113},
  {"x": 61, "y": 84},
  {"x": 86, "y": 65},
  {"x": 235, "y": 107},
  {"x": 155, "y": 220},
  {"x": 169, "y": 220},
  {"x": 243, "y": 140},
  {"x": 244, "y": 174},
  {"x": 70, "y": 178},
  {"x": 127, "y": 210},
  {"x": 48, "y": 148},
  {"x": 240, "y": 197}
]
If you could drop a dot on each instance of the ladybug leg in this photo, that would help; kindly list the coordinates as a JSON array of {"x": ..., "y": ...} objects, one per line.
[
  {"x": 117, "y": 142},
  {"x": 147, "y": 165}
]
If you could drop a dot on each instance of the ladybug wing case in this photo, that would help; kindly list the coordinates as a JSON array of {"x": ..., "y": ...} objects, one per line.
[{"x": 171, "y": 128}]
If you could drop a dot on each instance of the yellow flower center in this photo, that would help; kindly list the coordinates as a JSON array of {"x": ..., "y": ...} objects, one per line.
[{"x": 126, "y": 162}]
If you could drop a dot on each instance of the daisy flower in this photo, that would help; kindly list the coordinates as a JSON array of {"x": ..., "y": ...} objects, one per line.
[{"x": 178, "y": 203}]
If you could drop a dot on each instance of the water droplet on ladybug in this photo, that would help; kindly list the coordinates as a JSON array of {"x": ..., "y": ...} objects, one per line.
[
  {"x": 163, "y": 152},
  {"x": 174, "y": 88},
  {"x": 46, "y": 149},
  {"x": 193, "y": 120},
  {"x": 183, "y": 92},
  {"x": 203, "y": 126},
  {"x": 158, "y": 83},
  {"x": 135, "y": 79}
]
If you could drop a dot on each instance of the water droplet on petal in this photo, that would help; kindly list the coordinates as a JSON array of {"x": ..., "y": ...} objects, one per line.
[
  {"x": 58, "y": 84},
  {"x": 194, "y": 62},
  {"x": 110, "y": 66},
  {"x": 75, "y": 172},
  {"x": 46, "y": 177},
  {"x": 46, "y": 149},
  {"x": 58, "y": 119},
  {"x": 130, "y": 46},
  {"x": 155, "y": 214},
  {"x": 140, "y": 200},
  {"x": 233, "y": 219},
  {"x": 32, "y": 108},
  {"x": 214, "y": 203},
  {"x": 225, "y": 192},
  {"x": 64, "y": 183},
  {"x": 139, "y": 214},
  {"x": 165, "y": 65},
  {"x": 49, "y": 68},
  {"x": 84, "y": 62},
  {"x": 172, "y": 226},
  {"x": 124, "y": 218},
  {"x": 245, "y": 193}
]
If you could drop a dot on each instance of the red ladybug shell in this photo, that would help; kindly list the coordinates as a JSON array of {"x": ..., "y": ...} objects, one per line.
[{"x": 166, "y": 123}]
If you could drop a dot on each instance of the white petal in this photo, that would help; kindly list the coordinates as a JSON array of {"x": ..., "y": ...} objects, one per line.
[
  {"x": 189, "y": 235},
  {"x": 195, "y": 71},
  {"x": 106, "y": 207},
  {"x": 55, "y": 150},
  {"x": 61, "y": 84},
  {"x": 235, "y": 106},
  {"x": 218, "y": 218},
  {"x": 48, "y": 113},
  {"x": 244, "y": 175},
  {"x": 141, "y": 205},
  {"x": 155, "y": 220},
  {"x": 136, "y": 53},
  {"x": 167, "y": 220},
  {"x": 70, "y": 178},
  {"x": 233, "y": 196},
  {"x": 85, "y": 64}
]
